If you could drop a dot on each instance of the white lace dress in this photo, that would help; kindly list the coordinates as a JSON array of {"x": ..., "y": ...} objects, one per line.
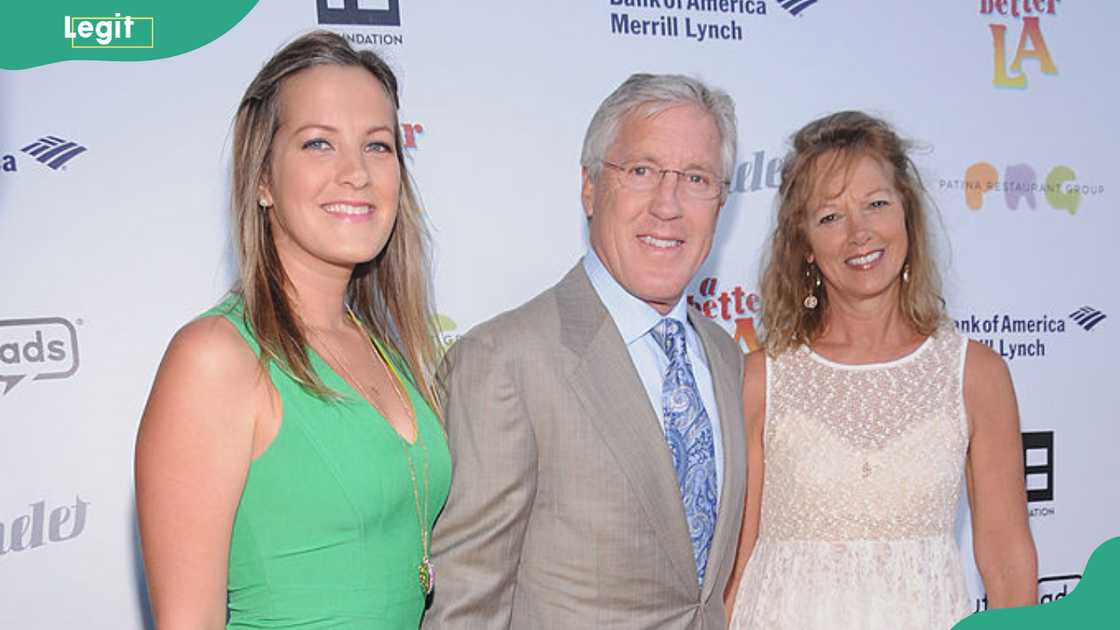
[{"x": 863, "y": 471}]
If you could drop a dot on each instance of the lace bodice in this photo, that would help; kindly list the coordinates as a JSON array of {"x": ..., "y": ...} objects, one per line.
[
  {"x": 863, "y": 467},
  {"x": 864, "y": 452}
]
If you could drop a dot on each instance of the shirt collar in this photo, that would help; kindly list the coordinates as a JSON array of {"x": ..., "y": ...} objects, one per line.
[{"x": 633, "y": 317}]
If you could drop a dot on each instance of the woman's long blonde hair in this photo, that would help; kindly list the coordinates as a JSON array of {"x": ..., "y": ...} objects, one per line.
[
  {"x": 389, "y": 294},
  {"x": 822, "y": 149}
]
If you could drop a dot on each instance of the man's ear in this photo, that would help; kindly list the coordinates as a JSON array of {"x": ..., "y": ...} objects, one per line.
[{"x": 587, "y": 193}]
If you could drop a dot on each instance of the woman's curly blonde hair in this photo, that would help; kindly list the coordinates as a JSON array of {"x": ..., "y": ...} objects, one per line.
[{"x": 822, "y": 149}]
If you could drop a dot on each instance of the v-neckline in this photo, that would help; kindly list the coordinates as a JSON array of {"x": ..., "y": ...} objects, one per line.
[{"x": 353, "y": 391}]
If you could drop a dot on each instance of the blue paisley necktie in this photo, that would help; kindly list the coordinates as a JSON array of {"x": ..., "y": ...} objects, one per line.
[{"x": 688, "y": 430}]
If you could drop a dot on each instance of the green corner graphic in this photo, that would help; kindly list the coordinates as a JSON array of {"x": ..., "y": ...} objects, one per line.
[
  {"x": 42, "y": 33},
  {"x": 1092, "y": 604}
]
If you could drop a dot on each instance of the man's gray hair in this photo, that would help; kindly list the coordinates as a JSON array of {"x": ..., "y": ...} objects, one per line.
[{"x": 652, "y": 94}]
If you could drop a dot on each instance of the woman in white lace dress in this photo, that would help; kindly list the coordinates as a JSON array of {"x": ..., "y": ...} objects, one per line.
[{"x": 867, "y": 411}]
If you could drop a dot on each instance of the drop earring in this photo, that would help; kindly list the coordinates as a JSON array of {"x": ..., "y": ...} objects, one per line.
[{"x": 811, "y": 300}]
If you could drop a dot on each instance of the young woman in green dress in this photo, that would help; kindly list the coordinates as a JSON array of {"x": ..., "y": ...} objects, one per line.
[{"x": 290, "y": 461}]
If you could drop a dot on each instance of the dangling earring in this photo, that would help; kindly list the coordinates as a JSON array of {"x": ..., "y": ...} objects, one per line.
[
  {"x": 906, "y": 273},
  {"x": 811, "y": 300},
  {"x": 263, "y": 204}
]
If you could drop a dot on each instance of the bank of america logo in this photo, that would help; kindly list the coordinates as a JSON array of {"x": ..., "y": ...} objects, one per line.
[
  {"x": 1087, "y": 317},
  {"x": 360, "y": 12},
  {"x": 53, "y": 151},
  {"x": 795, "y": 7}
]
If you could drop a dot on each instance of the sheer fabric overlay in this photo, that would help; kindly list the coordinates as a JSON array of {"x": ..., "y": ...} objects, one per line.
[{"x": 863, "y": 471}]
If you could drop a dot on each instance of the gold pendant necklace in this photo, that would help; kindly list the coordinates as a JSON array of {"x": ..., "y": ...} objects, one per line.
[{"x": 426, "y": 573}]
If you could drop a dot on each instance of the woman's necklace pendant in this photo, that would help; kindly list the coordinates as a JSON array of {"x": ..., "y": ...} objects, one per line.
[{"x": 426, "y": 575}]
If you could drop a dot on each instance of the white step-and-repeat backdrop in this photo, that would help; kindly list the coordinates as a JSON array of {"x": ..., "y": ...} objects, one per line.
[{"x": 114, "y": 230}]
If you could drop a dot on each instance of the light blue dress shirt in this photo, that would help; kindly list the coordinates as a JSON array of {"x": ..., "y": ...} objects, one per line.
[{"x": 635, "y": 319}]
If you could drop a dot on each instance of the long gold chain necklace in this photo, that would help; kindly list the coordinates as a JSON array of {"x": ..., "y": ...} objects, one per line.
[{"x": 425, "y": 570}]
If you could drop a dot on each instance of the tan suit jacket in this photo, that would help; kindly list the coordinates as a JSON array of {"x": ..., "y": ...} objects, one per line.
[{"x": 565, "y": 511}]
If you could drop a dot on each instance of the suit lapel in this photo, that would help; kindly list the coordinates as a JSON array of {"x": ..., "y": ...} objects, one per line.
[
  {"x": 725, "y": 385},
  {"x": 608, "y": 387}
]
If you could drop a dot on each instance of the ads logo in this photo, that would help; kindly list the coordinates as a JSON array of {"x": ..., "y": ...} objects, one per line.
[
  {"x": 42, "y": 348},
  {"x": 1055, "y": 587},
  {"x": 359, "y": 12},
  {"x": 28, "y": 531},
  {"x": 1051, "y": 588}
]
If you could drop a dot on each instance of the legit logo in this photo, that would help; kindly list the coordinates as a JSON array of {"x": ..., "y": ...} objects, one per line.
[{"x": 110, "y": 32}]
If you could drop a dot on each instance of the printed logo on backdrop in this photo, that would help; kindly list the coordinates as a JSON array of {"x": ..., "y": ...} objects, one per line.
[
  {"x": 1017, "y": 337},
  {"x": 1021, "y": 187},
  {"x": 52, "y": 152},
  {"x": 1022, "y": 20},
  {"x": 756, "y": 173},
  {"x": 44, "y": 348},
  {"x": 1038, "y": 467},
  {"x": 43, "y": 525},
  {"x": 795, "y": 7},
  {"x": 378, "y": 14},
  {"x": 694, "y": 20},
  {"x": 410, "y": 134},
  {"x": 735, "y": 309},
  {"x": 110, "y": 32},
  {"x": 1051, "y": 588},
  {"x": 1087, "y": 317},
  {"x": 447, "y": 330}
]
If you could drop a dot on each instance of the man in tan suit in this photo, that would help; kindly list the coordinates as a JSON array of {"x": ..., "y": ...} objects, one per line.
[{"x": 596, "y": 431}]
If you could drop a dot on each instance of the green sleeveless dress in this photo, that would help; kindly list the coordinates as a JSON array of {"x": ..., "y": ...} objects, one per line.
[{"x": 326, "y": 534}]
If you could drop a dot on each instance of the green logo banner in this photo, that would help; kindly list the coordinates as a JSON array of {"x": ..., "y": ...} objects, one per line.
[
  {"x": 1092, "y": 604},
  {"x": 43, "y": 32}
]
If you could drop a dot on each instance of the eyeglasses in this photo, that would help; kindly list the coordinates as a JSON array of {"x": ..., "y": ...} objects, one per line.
[{"x": 697, "y": 184}]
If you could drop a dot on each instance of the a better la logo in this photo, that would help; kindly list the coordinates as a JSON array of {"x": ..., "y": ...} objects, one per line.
[
  {"x": 42, "y": 348},
  {"x": 360, "y": 12},
  {"x": 1031, "y": 44},
  {"x": 116, "y": 31},
  {"x": 737, "y": 304}
]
